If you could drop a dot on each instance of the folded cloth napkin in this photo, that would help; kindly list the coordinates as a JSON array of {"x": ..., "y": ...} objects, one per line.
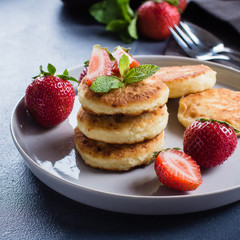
[{"x": 221, "y": 17}]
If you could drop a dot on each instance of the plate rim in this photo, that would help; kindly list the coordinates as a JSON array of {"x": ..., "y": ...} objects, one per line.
[{"x": 84, "y": 188}]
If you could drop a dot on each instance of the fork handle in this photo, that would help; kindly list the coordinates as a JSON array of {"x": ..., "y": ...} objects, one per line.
[{"x": 233, "y": 52}]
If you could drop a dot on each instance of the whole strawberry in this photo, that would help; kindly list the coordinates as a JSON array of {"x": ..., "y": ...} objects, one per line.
[
  {"x": 177, "y": 170},
  {"x": 180, "y": 4},
  {"x": 155, "y": 18},
  {"x": 209, "y": 142},
  {"x": 49, "y": 99}
]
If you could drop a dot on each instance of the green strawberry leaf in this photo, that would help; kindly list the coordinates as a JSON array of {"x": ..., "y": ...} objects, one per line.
[
  {"x": 124, "y": 65},
  {"x": 218, "y": 121},
  {"x": 140, "y": 73},
  {"x": 112, "y": 58},
  {"x": 172, "y": 2},
  {"x": 104, "y": 84},
  {"x": 51, "y": 69},
  {"x": 66, "y": 72},
  {"x": 67, "y": 77},
  {"x": 86, "y": 63}
]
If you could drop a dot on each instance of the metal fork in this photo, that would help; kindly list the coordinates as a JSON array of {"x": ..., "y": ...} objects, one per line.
[{"x": 193, "y": 47}]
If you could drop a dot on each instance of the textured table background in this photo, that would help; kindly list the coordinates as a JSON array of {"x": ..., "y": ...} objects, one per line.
[{"x": 38, "y": 32}]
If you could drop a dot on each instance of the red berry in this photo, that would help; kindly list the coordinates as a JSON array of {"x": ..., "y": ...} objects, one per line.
[
  {"x": 118, "y": 53},
  {"x": 100, "y": 64},
  {"x": 177, "y": 170},
  {"x": 83, "y": 74},
  {"x": 181, "y": 6},
  {"x": 49, "y": 99},
  {"x": 155, "y": 18},
  {"x": 209, "y": 143}
]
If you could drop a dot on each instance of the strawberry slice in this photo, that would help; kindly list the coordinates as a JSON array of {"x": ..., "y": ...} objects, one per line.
[
  {"x": 177, "y": 170},
  {"x": 117, "y": 53},
  {"x": 100, "y": 64}
]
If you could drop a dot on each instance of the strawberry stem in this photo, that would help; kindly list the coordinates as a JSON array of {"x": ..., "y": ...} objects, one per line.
[{"x": 52, "y": 70}]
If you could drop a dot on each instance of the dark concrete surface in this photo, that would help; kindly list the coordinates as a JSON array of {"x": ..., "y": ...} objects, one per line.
[{"x": 38, "y": 32}]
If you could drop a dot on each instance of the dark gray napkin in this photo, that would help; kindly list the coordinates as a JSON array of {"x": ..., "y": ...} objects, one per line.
[{"x": 221, "y": 17}]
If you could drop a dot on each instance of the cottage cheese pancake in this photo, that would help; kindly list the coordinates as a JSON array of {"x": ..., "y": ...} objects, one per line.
[
  {"x": 220, "y": 104},
  {"x": 183, "y": 80},
  {"x": 133, "y": 99},
  {"x": 116, "y": 157},
  {"x": 121, "y": 128}
]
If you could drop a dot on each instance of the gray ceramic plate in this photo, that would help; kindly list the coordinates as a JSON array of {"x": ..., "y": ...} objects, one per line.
[{"x": 51, "y": 156}]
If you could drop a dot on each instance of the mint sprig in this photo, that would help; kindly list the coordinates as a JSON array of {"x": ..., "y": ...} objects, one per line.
[
  {"x": 140, "y": 73},
  {"x": 52, "y": 70},
  {"x": 118, "y": 17},
  {"x": 104, "y": 84}
]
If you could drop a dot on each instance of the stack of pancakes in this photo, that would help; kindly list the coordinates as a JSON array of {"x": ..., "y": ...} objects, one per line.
[{"x": 121, "y": 129}]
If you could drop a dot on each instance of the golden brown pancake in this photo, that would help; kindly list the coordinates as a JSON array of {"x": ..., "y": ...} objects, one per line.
[
  {"x": 133, "y": 99},
  {"x": 116, "y": 157},
  {"x": 220, "y": 104},
  {"x": 121, "y": 128},
  {"x": 183, "y": 80}
]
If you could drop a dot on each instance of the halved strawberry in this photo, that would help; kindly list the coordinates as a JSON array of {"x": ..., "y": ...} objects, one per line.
[
  {"x": 99, "y": 64},
  {"x": 117, "y": 53},
  {"x": 177, "y": 170}
]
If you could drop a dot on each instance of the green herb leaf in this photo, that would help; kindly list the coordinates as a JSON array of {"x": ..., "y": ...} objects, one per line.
[
  {"x": 104, "y": 84},
  {"x": 67, "y": 77},
  {"x": 105, "y": 11},
  {"x": 51, "y": 72},
  {"x": 36, "y": 76},
  {"x": 116, "y": 25},
  {"x": 140, "y": 73},
  {"x": 124, "y": 65},
  {"x": 118, "y": 16},
  {"x": 66, "y": 72},
  {"x": 125, "y": 9},
  {"x": 173, "y": 2},
  {"x": 218, "y": 121},
  {"x": 86, "y": 63},
  {"x": 125, "y": 37},
  {"x": 112, "y": 58},
  {"x": 132, "y": 28},
  {"x": 51, "y": 69}
]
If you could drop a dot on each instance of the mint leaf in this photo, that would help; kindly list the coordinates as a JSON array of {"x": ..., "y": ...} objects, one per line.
[
  {"x": 132, "y": 28},
  {"x": 140, "y": 73},
  {"x": 106, "y": 11},
  {"x": 116, "y": 25},
  {"x": 125, "y": 9},
  {"x": 124, "y": 65},
  {"x": 125, "y": 37},
  {"x": 117, "y": 15},
  {"x": 104, "y": 84},
  {"x": 51, "y": 69}
]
